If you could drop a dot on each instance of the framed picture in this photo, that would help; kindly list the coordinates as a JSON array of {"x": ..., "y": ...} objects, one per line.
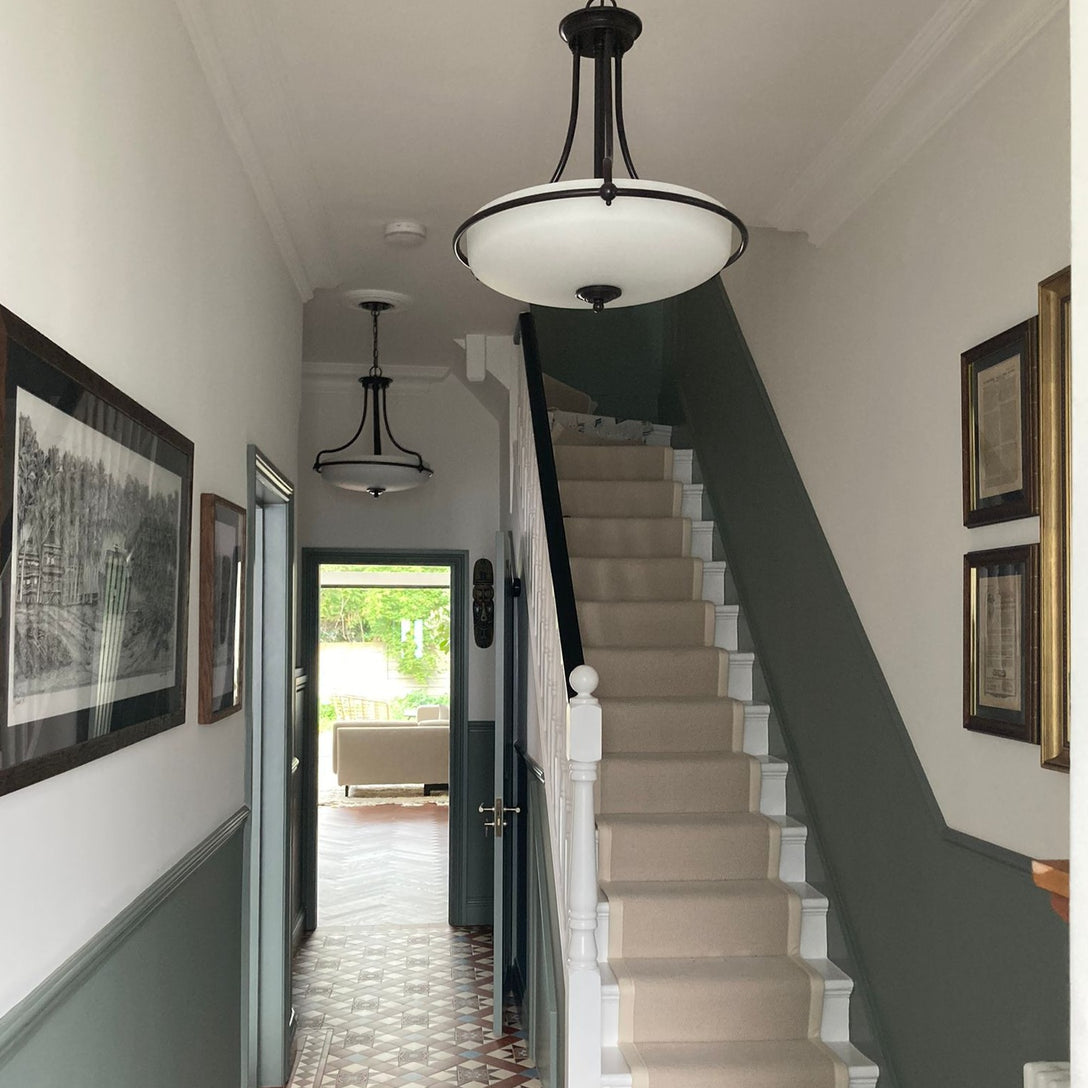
[
  {"x": 222, "y": 590},
  {"x": 1055, "y": 295},
  {"x": 95, "y": 509},
  {"x": 1001, "y": 642},
  {"x": 998, "y": 390}
]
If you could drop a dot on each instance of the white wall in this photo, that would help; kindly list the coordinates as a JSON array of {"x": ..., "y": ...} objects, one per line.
[
  {"x": 131, "y": 237},
  {"x": 859, "y": 345},
  {"x": 458, "y": 508}
]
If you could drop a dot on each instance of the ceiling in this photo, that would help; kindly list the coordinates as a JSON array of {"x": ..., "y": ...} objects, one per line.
[{"x": 351, "y": 113}]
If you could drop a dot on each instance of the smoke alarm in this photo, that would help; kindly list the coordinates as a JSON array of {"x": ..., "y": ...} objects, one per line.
[{"x": 405, "y": 233}]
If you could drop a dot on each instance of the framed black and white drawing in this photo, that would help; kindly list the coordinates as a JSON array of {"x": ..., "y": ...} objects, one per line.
[
  {"x": 999, "y": 382},
  {"x": 1001, "y": 642},
  {"x": 222, "y": 582},
  {"x": 95, "y": 510}
]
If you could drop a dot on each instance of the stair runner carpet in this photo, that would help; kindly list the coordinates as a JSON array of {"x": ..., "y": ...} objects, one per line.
[{"x": 703, "y": 936}]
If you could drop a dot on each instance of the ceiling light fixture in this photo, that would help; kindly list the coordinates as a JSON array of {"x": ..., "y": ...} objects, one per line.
[
  {"x": 598, "y": 241},
  {"x": 378, "y": 471}
]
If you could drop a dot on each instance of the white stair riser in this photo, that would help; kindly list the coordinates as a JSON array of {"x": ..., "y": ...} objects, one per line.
[
  {"x": 740, "y": 676},
  {"x": 791, "y": 864},
  {"x": 692, "y": 503},
  {"x": 835, "y": 1023},
  {"x": 610, "y": 1015},
  {"x": 725, "y": 626},
  {"x": 772, "y": 787},
  {"x": 702, "y": 540},
  {"x": 714, "y": 582},
  {"x": 756, "y": 722},
  {"x": 683, "y": 463}
]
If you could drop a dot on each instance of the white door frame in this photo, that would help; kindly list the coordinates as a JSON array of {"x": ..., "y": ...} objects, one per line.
[{"x": 267, "y": 1016}]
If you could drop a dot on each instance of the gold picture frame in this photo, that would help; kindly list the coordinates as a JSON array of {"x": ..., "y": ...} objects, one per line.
[{"x": 1054, "y": 494}]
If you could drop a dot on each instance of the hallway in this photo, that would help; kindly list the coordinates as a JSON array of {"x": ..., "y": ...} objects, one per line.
[{"x": 387, "y": 993}]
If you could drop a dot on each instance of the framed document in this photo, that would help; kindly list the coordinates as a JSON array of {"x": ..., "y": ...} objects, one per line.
[
  {"x": 1054, "y": 494},
  {"x": 999, "y": 391},
  {"x": 95, "y": 499},
  {"x": 222, "y": 588},
  {"x": 1001, "y": 642}
]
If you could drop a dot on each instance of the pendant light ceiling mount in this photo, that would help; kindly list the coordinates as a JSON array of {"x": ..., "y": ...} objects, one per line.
[
  {"x": 377, "y": 470},
  {"x": 594, "y": 240}
]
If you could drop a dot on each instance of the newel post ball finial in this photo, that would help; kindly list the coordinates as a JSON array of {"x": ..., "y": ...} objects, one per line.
[{"x": 584, "y": 680}]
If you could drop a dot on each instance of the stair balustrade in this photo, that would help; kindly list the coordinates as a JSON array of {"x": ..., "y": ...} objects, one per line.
[{"x": 567, "y": 730}]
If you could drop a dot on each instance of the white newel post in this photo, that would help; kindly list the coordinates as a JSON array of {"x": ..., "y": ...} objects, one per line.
[{"x": 584, "y": 976}]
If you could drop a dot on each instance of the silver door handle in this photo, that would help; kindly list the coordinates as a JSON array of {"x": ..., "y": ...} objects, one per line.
[{"x": 498, "y": 811}]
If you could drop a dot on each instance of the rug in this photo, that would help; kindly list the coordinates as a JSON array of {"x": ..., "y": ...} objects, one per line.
[{"x": 393, "y": 794}]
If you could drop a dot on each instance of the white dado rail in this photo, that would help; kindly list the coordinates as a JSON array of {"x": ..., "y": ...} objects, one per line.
[{"x": 568, "y": 736}]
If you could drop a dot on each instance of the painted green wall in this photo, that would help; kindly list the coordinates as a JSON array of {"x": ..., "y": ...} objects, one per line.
[
  {"x": 476, "y": 787},
  {"x": 603, "y": 353},
  {"x": 162, "y": 1010},
  {"x": 965, "y": 964}
]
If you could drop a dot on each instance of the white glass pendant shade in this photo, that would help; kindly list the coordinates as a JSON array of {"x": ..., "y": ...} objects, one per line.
[
  {"x": 378, "y": 472},
  {"x": 650, "y": 248}
]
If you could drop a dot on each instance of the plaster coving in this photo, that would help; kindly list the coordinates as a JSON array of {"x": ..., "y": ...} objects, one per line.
[
  {"x": 952, "y": 57},
  {"x": 259, "y": 121}
]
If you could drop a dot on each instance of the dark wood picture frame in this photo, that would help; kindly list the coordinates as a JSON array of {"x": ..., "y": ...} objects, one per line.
[
  {"x": 95, "y": 519},
  {"x": 1001, "y": 642},
  {"x": 1000, "y": 445},
  {"x": 222, "y": 607},
  {"x": 1055, "y": 491}
]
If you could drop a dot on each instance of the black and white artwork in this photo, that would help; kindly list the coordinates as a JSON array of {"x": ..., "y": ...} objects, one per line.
[
  {"x": 93, "y": 563},
  {"x": 94, "y": 603}
]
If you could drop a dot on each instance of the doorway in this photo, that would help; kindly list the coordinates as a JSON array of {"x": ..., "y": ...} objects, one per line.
[
  {"x": 384, "y": 636},
  {"x": 384, "y": 685}
]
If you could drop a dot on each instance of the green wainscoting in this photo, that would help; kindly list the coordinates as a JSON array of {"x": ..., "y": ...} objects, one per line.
[
  {"x": 154, "y": 1000},
  {"x": 472, "y": 858},
  {"x": 964, "y": 964}
]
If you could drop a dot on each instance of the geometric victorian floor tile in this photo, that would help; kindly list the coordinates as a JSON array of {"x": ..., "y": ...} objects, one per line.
[{"x": 402, "y": 1006}]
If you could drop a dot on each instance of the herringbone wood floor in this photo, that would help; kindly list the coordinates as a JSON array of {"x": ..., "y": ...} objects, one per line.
[{"x": 382, "y": 863}]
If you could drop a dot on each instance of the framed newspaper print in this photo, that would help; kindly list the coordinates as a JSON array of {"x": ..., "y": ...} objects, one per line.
[
  {"x": 1055, "y": 294},
  {"x": 95, "y": 499},
  {"x": 222, "y": 589},
  {"x": 1001, "y": 642},
  {"x": 999, "y": 397}
]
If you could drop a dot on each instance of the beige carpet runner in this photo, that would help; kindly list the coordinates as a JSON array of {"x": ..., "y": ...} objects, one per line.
[{"x": 703, "y": 937}]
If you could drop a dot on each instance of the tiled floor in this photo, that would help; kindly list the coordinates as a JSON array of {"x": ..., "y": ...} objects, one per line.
[
  {"x": 401, "y": 1005},
  {"x": 398, "y": 998}
]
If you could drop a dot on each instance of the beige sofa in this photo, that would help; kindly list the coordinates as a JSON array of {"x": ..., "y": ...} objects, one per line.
[{"x": 374, "y": 753}]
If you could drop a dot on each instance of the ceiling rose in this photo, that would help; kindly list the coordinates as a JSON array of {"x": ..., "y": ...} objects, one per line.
[{"x": 598, "y": 241}]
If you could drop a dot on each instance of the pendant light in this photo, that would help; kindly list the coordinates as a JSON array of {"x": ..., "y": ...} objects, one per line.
[
  {"x": 599, "y": 241},
  {"x": 379, "y": 469}
]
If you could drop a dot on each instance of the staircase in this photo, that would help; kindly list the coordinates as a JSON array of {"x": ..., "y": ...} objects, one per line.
[{"x": 712, "y": 946}]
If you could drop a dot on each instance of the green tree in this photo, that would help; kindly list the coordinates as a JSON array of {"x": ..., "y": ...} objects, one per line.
[{"x": 379, "y": 614}]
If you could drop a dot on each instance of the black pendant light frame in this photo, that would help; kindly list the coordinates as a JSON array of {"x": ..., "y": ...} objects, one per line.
[
  {"x": 375, "y": 384},
  {"x": 602, "y": 34}
]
